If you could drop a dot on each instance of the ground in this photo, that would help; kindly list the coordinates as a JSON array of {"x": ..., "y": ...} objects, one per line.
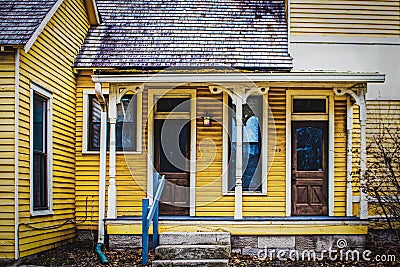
[{"x": 81, "y": 254}]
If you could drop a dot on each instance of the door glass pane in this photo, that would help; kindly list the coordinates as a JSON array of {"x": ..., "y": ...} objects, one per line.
[
  {"x": 309, "y": 148},
  {"x": 173, "y": 151}
]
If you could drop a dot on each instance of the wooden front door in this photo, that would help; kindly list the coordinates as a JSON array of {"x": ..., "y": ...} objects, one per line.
[
  {"x": 171, "y": 158},
  {"x": 309, "y": 168}
]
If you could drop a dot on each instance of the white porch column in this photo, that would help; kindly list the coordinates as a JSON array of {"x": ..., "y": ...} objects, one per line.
[
  {"x": 112, "y": 190},
  {"x": 349, "y": 158},
  {"x": 359, "y": 97},
  {"x": 363, "y": 156},
  {"x": 239, "y": 158}
]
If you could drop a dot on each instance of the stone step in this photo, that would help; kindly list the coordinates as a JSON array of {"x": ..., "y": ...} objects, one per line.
[
  {"x": 195, "y": 238},
  {"x": 182, "y": 263},
  {"x": 192, "y": 252}
]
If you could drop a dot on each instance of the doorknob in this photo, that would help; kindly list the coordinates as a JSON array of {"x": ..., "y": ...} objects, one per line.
[{"x": 293, "y": 177}]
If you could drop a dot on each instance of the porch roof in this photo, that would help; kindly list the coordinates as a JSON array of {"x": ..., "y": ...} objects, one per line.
[
  {"x": 237, "y": 77},
  {"x": 155, "y": 34}
]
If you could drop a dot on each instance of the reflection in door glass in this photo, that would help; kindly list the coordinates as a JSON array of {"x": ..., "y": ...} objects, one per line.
[{"x": 309, "y": 149}]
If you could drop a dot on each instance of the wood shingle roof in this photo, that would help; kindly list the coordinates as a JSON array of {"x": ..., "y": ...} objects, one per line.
[
  {"x": 248, "y": 34},
  {"x": 20, "y": 18}
]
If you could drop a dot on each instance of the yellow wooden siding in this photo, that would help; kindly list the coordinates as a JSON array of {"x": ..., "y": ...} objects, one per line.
[
  {"x": 7, "y": 85},
  {"x": 340, "y": 156},
  {"x": 376, "y": 18},
  {"x": 209, "y": 199},
  {"x": 131, "y": 176},
  {"x": 383, "y": 123},
  {"x": 273, "y": 204},
  {"x": 49, "y": 65}
]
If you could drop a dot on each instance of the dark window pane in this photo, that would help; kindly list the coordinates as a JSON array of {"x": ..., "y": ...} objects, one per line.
[
  {"x": 309, "y": 148},
  {"x": 309, "y": 105},
  {"x": 40, "y": 196},
  {"x": 39, "y": 123},
  {"x": 167, "y": 104},
  {"x": 126, "y": 126}
]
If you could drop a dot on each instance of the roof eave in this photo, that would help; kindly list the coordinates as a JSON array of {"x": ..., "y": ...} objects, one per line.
[{"x": 358, "y": 77}]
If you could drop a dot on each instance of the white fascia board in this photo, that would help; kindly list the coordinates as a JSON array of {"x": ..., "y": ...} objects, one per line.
[
  {"x": 345, "y": 40},
  {"x": 242, "y": 77},
  {"x": 42, "y": 25}
]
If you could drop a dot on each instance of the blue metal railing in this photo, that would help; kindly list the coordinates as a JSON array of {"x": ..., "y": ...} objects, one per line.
[{"x": 149, "y": 214}]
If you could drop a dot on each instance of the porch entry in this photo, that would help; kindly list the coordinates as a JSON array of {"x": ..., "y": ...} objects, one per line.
[
  {"x": 309, "y": 168},
  {"x": 172, "y": 153}
]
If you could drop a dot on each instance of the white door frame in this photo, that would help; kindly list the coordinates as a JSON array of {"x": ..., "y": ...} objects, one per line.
[{"x": 152, "y": 93}]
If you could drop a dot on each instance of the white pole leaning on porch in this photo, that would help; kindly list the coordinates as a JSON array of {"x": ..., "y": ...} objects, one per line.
[
  {"x": 112, "y": 189},
  {"x": 239, "y": 158},
  {"x": 103, "y": 161}
]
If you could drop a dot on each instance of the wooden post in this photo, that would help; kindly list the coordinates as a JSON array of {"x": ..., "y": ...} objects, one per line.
[{"x": 239, "y": 158}]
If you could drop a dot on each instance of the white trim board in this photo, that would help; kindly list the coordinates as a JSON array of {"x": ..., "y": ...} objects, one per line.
[
  {"x": 42, "y": 25},
  {"x": 296, "y": 39}
]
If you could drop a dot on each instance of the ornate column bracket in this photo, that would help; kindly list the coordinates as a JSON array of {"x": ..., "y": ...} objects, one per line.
[
  {"x": 240, "y": 91},
  {"x": 122, "y": 89}
]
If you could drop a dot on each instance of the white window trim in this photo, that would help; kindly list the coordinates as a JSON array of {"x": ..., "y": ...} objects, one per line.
[
  {"x": 39, "y": 90},
  {"x": 330, "y": 117},
  {"x": 264, "y": 150},
  {"x": 85, "y": 129}
]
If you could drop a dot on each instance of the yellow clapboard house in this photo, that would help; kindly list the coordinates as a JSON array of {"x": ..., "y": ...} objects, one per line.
[
  {"x": 38, "y": 103},
  {"x": 233, "y": 101}
]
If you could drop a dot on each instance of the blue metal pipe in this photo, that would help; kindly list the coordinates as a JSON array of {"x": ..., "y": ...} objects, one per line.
[{"x": 99, "y": 252}]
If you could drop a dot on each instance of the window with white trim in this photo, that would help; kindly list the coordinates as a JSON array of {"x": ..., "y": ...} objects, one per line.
[
  {"x": 252, "y": 142},
  {"x": 128, "y": 124},
  {"x": 41, "y": 151}
]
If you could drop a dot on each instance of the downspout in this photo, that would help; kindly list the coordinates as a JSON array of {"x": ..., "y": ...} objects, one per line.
[
  {"x": 349, "y": 159},
  {"x": 112, "y": 190},
  {"x": 103, "y": 167},
  {"x": 16, "y": 159}
]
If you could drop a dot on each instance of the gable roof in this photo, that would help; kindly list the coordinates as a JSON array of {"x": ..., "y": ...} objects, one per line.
[
  {"x": 148, "y": 34},
  {"x": 20, "y": 19}
]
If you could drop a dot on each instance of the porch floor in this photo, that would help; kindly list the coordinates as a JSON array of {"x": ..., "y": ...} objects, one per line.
[{"x": 299, "y": 225}]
